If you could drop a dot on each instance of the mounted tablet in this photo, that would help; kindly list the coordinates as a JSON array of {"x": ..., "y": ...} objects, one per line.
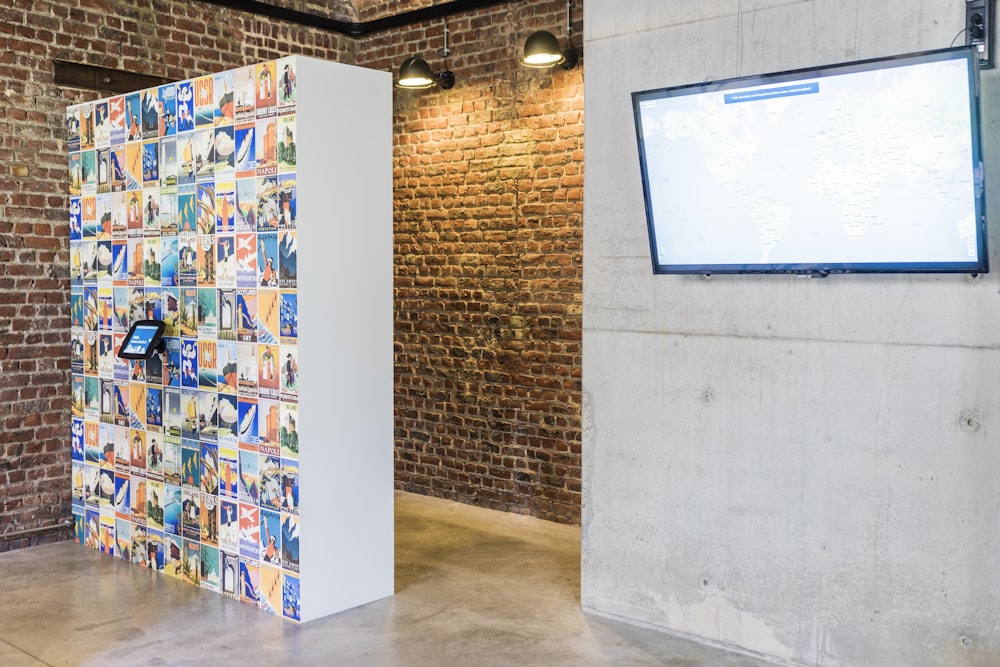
[{"x": 143, "y": 340}]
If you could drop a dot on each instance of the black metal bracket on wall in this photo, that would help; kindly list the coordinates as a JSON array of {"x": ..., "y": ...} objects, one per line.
[
  {"x": 356, "y": 29},
  {"x": 979, "y": 23}
]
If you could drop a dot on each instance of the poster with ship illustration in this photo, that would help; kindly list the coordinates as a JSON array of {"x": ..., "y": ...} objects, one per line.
[
  {"x": 245, "y": 159},
  {"x": 244, "y": 94},
  {"x": 248, "y": 412},
  {"x": 228, "y": 420}
]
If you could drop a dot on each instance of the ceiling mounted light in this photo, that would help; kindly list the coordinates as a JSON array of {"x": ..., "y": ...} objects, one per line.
[
  {"x": 415, "y": 73},
  {"x": 542, "y": 49}
]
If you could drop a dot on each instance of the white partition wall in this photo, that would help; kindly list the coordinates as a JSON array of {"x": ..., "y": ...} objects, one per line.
[
  {"x": 251, "y": 211},
  {"x": 345, "y": 302}
]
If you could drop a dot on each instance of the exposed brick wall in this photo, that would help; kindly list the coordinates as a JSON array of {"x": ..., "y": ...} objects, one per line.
[
  {"x": 369, "y": 10},
  {"x": 341, "y": 10},
  {"x": 488, "y": 239},
  {"x": 488, "y": 204},
  {"x": 174, "y": 39}
]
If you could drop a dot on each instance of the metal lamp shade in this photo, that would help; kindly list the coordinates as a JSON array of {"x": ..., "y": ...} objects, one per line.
[
  {"x": 415, "y": 73},
  {"x": 541, "y": 49}
]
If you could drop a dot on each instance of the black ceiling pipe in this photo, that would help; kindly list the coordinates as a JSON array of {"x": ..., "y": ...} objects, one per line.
[{"x": 356, "y": 29}]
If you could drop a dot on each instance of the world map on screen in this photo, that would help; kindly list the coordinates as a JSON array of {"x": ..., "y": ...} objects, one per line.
[{"x": 875, "y": 166}]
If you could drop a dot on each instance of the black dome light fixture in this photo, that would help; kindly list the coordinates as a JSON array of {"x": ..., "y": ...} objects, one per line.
[
  {"x": 415, "y": 73},
  {"x": 542, "y": 49}
]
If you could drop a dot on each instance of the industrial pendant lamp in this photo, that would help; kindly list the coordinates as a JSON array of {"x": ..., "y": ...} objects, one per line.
[
  {"x": 542, "y": 49},
  {"x": 415, "y": 73}
]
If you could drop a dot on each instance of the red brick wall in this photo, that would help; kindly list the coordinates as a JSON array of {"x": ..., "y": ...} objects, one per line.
[
  {"x": 174, "y": 39},
  {"x": 488, "y": 239},
  {"x": 488, "y": 180}
]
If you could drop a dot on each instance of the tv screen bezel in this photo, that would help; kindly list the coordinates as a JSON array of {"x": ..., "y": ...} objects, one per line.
[
  {"x": 155, "y": 343},
  {"x": 977, "y": 266}
]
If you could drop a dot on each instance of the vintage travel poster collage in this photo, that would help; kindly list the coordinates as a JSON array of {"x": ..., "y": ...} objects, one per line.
[{"x": 183, "y": 209}]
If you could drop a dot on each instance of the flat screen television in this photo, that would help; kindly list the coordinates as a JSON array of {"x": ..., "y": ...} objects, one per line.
[{"x": 869, "y": 166}]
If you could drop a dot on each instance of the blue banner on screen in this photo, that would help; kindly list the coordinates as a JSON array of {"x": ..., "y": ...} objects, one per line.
[
  {"x": 772, "y": 93},
  {"x": 141, "y": 340}
]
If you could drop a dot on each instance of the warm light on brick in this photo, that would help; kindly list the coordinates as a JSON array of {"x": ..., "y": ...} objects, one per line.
[{"x": 488, "y": 206}]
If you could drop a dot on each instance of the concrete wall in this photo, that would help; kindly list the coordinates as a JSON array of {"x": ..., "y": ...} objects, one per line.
[{"x": 806, "y": 469}]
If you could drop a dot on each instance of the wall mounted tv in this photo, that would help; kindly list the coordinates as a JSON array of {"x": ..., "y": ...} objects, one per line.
[{"x": 870, "y": 166}]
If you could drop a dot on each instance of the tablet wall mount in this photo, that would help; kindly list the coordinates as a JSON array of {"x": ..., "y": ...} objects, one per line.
[{"x": 143, "y": 340}]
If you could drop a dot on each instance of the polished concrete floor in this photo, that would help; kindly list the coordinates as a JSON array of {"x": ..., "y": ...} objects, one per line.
[{"x": 473, "y": 587}]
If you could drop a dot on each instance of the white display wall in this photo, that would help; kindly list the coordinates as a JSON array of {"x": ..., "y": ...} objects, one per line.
[{"x": 251, "y": 210}]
